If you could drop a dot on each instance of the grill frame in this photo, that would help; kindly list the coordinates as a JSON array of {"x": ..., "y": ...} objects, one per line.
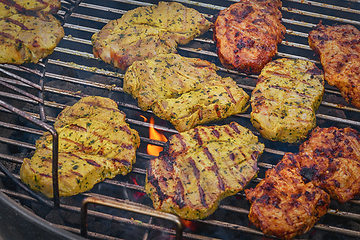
[{"x": 84, "y": 66}]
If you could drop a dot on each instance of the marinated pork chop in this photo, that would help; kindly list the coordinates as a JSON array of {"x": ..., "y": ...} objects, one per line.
[
  {"x": 247, "y": 34},
  {"x": 145, "y": 32},
  {"x": 330, "y": 158},
  {"x": 28, "y": 38},
  {"x": 95, "y": 143},
  {"x": 200, "y": 167},
  {"x": 184, "y": 91},
  {"x": 284, "y": 101},
  {"x": 11, "y": 7},
  {"x": 282, "y": 204},
  {"x": 339, "y": 50}
]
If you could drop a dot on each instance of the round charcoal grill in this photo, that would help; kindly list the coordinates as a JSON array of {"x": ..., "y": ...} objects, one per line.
[{"x": 32, "y": 95}]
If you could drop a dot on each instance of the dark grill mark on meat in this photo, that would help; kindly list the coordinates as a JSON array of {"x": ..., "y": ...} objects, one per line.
[
  {"x": 245, "y": 43},
  {"x": 13, "y": 4},
  {"x": 125, "y": 129},
  {"x": 179, "y": 197},
  {"x": 216, "y": 133},
  {"x": 197, "y": 176},
  {"x": 76, "y": 173},
  {"x": 308, "y": 173},
  {"x": 260, "y": 20},
  {"x": 168, "y": 163},
  {"x": 102, "y": 138},
  {"x": 230, "y": 95},
  {"x": 215, "y": 168},
  {"x": 23, "y": 27},
  {"x": 44, "y": 175},
  {"x": 202, "y": 196},
  {"x": 310, "y": 196},
  {"x": 89, "y": 161},
  {"x": 197, "y": 137},
  {"x": 122, "y": 161},
  {"x": 234, "y": 127},
  {"x": 127, "y": 146},
  {"x": 92, "y": 162},
  {"x": 254, "y": 156},
  {"x": 314, "y": 71},
  {"x": 7, "y": 35},
  {"x": 242, "y": 14},
  {"x": 200, "y": 114},
  {"x": 35, "y": 44},
  {"x": 217, "y": 110},
  {"x": 98, "y": 105},
  {"x": 155, "y": 183},
  {"x": 181, "y": 139},
  {"x": 195, "y": 169},
  {"x": 81, "y": 147},
  {"x": 77, "y": 128},
  {"x": 322, "y": 37}
]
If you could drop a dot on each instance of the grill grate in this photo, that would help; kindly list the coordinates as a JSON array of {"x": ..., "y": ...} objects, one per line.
[{"x": 71, "y": 72}]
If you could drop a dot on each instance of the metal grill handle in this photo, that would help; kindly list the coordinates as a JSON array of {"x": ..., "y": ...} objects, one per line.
[{"x": 128, "y": 207}]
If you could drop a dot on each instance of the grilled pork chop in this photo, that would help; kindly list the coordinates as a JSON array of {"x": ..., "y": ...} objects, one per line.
[
  {"x": 200, "y": 167},
  {"x": 184, "y": 91},
  {"x": 95, "y": 143},
  {"x": 330, "y": 158},
  {"x": 339, "y": 50},
  {"x": 247, "y": 34},
  {"x": 282, "y": 204},
  {"x": 11, "y": 7},
  {"x": 284, "y": 101},
  {"x": 28, "y": 37},
  {"x": 145, "y": 32}
]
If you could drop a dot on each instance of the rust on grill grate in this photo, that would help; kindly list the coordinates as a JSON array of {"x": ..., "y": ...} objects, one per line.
[{"x": 41, "y": 91}]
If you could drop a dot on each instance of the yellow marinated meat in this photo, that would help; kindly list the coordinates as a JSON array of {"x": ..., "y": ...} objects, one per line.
[
  {"x": 29, "y": 31},
  {"x": 284, "y": 101},
  {"x": 145, "y": 32},
  {"x": 200, "y": 167},
  {"x": 185, "y": 91},
  {"x": 95, "y": 143},
  {"x": 8, "y": 8}
]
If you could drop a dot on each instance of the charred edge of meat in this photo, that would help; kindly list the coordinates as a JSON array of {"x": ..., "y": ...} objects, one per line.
[
  {"x": 314, "y": 71},
  {"x": 308, "y": 173}
]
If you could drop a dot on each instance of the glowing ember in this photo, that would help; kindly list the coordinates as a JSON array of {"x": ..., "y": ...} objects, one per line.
[
  {"x": 137, "y": 195},
  {"x": 155, "y": 135},
  {"x": 189, "y": 224}
]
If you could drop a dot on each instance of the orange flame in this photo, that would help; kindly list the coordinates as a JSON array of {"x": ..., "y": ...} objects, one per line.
[
  {"x": 155, "y": 135},
  {"x": 143, "y": 117}
]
